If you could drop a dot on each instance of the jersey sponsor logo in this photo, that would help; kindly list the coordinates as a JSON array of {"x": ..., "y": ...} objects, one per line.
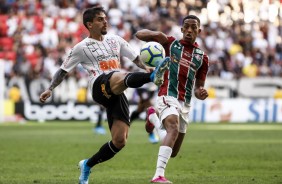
[
  {"x": 187, "y": 63},
  {"x": 103, "y": 89},
  {"x": 94, "y": 50},
  {"x": 90, "y": 43},
  {"x": 187, "y": 54},
  {"x": 177, "y": 47},
  {"x": 109, "y": 64},
  {"x": 106, "y": 57}
]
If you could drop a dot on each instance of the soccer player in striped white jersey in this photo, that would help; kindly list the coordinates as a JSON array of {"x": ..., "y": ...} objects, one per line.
[
  {"x": 187, "y": 70},
  {"x": 100, "y": 55}
]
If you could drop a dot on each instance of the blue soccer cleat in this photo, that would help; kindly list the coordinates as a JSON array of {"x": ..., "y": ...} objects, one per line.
[
  {"x": 100, "y": 130},
  {"x": 84, "y": 172},
  {"x": 153, "y": 138},
  {"x": 157, "y": 75}
]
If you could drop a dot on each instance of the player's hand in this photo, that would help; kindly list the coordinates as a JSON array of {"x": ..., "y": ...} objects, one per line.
[
  {"x": 149, "y": 69},
  {"x": 45, "y": 95},
  {"x": 201, "y": 93}
]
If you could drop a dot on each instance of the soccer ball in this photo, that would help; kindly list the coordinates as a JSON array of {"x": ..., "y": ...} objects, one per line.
[{"x": 151, "y": 53}]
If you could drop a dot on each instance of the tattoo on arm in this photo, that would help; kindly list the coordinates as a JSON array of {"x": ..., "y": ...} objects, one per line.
[{"x": 58, "y": 78}]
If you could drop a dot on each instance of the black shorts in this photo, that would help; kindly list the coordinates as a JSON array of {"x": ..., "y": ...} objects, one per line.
[{"x": 116, "y": 105}]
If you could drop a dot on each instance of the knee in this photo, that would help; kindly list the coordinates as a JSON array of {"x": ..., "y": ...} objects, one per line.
[
  {"x": 172, "y": 126},
  {"x": 119, "y": 142},
  {"x": 117, "y": 83}
]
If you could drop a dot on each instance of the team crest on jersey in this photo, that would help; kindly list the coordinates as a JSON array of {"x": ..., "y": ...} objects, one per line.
[
  {"x": 197, "y": 57},
  {"x": 112, "y": 43},
  {"x": 198, "y": 51}
]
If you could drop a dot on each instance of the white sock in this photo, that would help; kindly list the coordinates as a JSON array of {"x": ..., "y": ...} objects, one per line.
[
  {"x": 153, "y": 118},
  {"x": 163, "y": 157}
]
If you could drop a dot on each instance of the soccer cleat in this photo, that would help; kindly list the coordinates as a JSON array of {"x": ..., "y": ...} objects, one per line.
[
  {"x": 153, "y": 138},
  {"x": 100, "y": 130},
  {"x": 157, "y": 75},
  {"x": 84, "y": 172},
  {"x": 160, "y": 179},
  {"x": 149, "y": 126}
]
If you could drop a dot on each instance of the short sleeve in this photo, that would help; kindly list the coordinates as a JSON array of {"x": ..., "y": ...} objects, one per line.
[
  {"x": 203, "y": 70},
  {"x": 167, "y": 45},
  {"x": 73, "y": 59},
  {"x": 126, "y": 50}
]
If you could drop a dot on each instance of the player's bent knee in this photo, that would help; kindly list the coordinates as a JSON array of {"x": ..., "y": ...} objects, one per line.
[
  {"x": 117, "y": 83},
  {"x": 172, "y": 127},
  {"x": 119, "y": 142}
]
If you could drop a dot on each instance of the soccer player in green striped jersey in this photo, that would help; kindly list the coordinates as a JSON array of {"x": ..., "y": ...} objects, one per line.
[{"x": 187, "y": 70}]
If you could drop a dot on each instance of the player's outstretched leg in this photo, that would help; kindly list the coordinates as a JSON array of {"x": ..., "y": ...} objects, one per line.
[
  {"x": 158, "y": 74},
  {"x": 84, "y": 172}
]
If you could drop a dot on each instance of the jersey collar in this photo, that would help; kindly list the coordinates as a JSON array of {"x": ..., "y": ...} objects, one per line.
[{"x": 185, "y": 43}]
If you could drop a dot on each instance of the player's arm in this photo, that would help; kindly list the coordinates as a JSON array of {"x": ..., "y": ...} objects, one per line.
[
  {"x": 199, "y": 90},
  {"x": 148, "y": 35},
  {"x": 127, "y": 51},
  {"x": 140, "y": 64},
  {"x": 56, "y": 80}
]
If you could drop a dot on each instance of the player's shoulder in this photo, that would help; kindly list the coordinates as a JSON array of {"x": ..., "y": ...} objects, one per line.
[
  {"x": 170, "y": 39},
  {"x": 82, "y": 43}
]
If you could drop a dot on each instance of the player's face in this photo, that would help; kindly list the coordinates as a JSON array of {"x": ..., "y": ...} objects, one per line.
[
  {"x": 99, "y": 24},
  {"x": 190, "y": 30}
]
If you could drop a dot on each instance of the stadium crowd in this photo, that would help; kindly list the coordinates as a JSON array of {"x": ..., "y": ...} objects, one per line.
[{"x": 242, "y": 38}]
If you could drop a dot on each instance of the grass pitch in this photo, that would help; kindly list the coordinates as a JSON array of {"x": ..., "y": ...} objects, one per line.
[{"x": 211, "y": 154}]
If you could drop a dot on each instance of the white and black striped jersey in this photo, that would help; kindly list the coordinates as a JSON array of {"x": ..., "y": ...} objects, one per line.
[{"x": 99, "y": 57}]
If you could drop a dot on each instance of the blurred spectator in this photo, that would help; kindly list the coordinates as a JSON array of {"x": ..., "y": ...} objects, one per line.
[
  {"x": 278, "y": 93},
  {"x": 242, "y": 38},
  {"x": 14, "y": 94}
]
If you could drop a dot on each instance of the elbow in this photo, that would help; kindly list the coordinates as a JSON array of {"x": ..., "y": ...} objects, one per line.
[{"x": 138, "y": 34}]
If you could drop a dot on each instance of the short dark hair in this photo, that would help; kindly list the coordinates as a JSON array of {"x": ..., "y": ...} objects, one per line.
[
  {"x": 191, "y": 17},
  {"x": 90, "y": 13}
]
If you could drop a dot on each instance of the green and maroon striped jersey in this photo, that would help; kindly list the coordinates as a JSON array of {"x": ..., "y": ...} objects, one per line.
[{"x": 188, "y": 63}]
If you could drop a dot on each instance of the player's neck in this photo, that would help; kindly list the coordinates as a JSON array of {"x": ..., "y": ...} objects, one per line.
[{"x": 97, "y": 37}]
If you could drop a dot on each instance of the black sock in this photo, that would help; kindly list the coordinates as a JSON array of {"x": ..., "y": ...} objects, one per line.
[
  {"x": 106, "y": 152},
  {"x": 137, "y": 79},
  {"x": 134, "y": 115}
]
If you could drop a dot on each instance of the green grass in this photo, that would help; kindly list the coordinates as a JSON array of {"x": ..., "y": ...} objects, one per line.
[{"x": 211, "y": 154}]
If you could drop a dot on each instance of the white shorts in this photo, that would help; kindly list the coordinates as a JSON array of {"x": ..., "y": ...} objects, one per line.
[{"x": 168, "y": 105}]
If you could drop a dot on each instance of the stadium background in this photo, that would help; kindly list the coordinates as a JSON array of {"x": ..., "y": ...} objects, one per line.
[{"x": 242, "y": 38}]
